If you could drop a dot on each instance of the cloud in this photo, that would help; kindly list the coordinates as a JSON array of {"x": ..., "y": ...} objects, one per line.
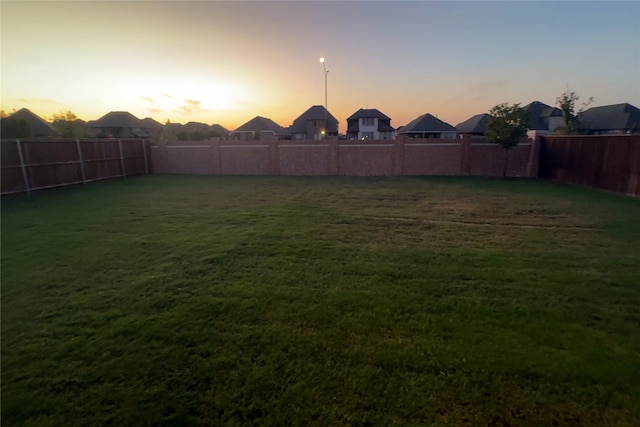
[
  {"x": 190, "y": 106},
  {"x": 148, "y": 99},
  {"x": 186, "y": 106},
  {"x": 155, "y": 110},
  {"x": 40, "y": 101},
  {"x": 183, "y": 109}
]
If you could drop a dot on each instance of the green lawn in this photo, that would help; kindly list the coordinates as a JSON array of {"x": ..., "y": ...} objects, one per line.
[{"x": 192, "y": 300}]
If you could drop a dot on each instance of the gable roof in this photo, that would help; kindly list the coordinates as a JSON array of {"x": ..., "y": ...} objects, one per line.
[
  {"x": 383, "y": 120},
  {"x": 38, "y": 126},
  {"x": 475, "y": 124},
  {"x": 262, "y": 124},
  {"x": 314, "y": 113},
  {"x": 149, "y": 123},
  {"x": 427, "y": 123},
  {"x": 117, "y": 119},
  {"x": 194, "y": 126},
  {"x": 611, "y": 117},
  {"x": 539, "y": 114},
  {"x": 368, "y": 113},
  {"x": 218, "y": 128}
]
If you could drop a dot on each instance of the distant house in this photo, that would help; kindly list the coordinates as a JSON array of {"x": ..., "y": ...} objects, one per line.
[
  {"x": 38, "y": 127},
  {"x": 260, "y": 127},
  {"x": 311, "y": 124},
  {"x": 428, "y": 126},
  {"x": 217, "y": 131},
  {"x": 193, "y": 131},
  {"x": 119, "y": 124},
  {"x": 543, "y": 118},
  {"x": 367, "y": 124},
  {"x": 153, "y": 127},
  {"x": 171, "y": 130},
  {"x": 611, "y": 119},
  {"x": 474, "y": 126}
]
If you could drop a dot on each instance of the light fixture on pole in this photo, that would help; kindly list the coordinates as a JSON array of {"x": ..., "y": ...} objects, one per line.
[{"x": 324, "y": 68}]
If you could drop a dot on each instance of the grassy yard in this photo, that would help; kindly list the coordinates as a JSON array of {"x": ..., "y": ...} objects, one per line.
[{"x": 187, "y": 300}]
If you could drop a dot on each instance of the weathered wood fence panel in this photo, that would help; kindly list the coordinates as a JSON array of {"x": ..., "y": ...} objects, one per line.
[
  {"x": 31, "y": 164},
  {"x": 608, "y": 162}
]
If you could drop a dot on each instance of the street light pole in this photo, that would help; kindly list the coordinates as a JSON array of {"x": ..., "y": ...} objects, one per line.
[{"x": 324, "y": 68}]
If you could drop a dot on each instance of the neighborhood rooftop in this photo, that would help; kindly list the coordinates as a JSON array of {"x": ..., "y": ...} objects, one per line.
[{"x": 365, "y": 123}]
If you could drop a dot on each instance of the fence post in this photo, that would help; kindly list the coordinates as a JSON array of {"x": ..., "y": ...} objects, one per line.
[
  {"x": 144, "y": 153},
  {"x": 23, "y": 167},
  {"x": 398, "y": 153},
  {"x": 334, "y": 162},
  {"x": 121, "y": 158},
  {"x": 274, "y": 157},
  {"x": 465, "y": 155},
  {"x": 533, "y": 167},
  {"x": 84, "y": 180},
  {"x": 216, "y": 167}
]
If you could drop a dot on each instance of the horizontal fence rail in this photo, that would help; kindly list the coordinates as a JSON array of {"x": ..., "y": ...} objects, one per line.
[
  {"x": 31, "y": 164},
  {"x": 608, "y": 162},
  {"x": 402, "y": 156}
]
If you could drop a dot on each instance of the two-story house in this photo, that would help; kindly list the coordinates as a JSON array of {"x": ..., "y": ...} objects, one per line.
[
  {"x": 311, "y": 124},
  {"x": 369, "y": 123},
  {"x": 543, "y": 118}
]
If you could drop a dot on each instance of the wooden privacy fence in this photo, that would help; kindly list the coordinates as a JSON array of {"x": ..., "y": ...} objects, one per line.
[
  {"x": 608, "y": 162},
  {"x": 31, "y": 164}
]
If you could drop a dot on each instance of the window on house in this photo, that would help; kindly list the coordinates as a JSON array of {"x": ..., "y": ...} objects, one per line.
[{"x": 368, "y": 121}]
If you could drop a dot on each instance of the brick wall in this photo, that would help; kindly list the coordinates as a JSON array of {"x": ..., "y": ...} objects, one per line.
[{"x": 403, "y": 156}]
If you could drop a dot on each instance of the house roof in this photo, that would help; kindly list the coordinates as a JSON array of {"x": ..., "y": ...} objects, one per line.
[
  {"x": 117, "y": 119},
  {"x": 611, "y": 117},
  {"x": 383, "y": 120},
  {"x": 475, "y": 124},
  {"x": 368, "y": 113},
  {"x": 38, "y": 126},
  {"x": 149, "y": 123},
  {"x": 427, "y": 124},
  {"x": 194, "y": 126},
  {"x": 539, "y": 114},
  {"x": 314, "y": 113},
  {"x": 218, "y": 128},
  {"x": 262, "y": 124}
]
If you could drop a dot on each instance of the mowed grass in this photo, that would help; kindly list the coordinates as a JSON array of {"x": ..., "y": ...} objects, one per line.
[{"x": 192, "y": 300}]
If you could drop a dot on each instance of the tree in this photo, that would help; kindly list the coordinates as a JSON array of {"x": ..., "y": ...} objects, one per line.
[
  {"x": 11, "y": 127},
  {"x": 196, "y": 135},
  {"x": 505, "y": 126},
  {"x": 167, "y": 133},
  {"x": 213, "y": 134},
  {"x": 68, "y": 125},
  {"x": 570, "y": 121}
]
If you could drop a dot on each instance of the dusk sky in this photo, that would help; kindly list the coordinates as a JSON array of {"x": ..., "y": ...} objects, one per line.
[{"x": 227, "y": 62}]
